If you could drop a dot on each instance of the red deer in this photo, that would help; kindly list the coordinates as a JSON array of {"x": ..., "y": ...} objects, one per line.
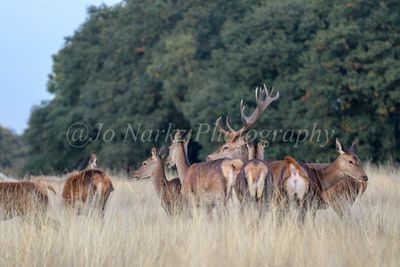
[
  {"x": 87, "y": 187},
  {"x": 254, "y": 181},
  {"x": 338, "y": 197},
  {"x": 346, "y": 166},
  {"x": 254, "y": 184},
  {"x": 296, "y": 186},
  {"x": 238, "y": 147},
  {"x": 23, "y": 198},
  {"x": 342, "y": 195},
  {"x": 168, "y": 191},
  {"x": 208, "y": 183}
]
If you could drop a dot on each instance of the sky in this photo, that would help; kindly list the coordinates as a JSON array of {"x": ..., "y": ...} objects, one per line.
[{"x": 30, "y": 33}]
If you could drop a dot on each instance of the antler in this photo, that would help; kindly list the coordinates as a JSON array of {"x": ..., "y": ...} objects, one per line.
[
  {"x": 263, "y": 100},
  {"x": 231, "y": 135}
]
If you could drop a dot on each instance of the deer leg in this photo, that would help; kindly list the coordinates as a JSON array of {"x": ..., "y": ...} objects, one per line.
[{"x": 302, "y": 214}]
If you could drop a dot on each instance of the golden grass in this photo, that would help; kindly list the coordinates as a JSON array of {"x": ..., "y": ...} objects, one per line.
[{"x": 137, "y": 232}]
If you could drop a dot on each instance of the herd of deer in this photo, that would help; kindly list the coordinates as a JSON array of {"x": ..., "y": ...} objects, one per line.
[
  {"x": 239, "y": 165},
  {"x": 30, "y": 197}
]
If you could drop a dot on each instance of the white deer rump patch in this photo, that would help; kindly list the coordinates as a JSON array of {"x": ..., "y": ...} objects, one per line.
[{"x": 296, "y": 186}]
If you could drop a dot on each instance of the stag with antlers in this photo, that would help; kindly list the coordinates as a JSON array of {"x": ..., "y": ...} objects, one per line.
[{"x": 253, "y": 182}]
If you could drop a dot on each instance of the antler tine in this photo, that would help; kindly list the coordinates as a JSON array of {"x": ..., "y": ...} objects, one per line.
[
  {"x": 177, "y": 135},
  {"x": 229, "y": 136},
  {"x": 268, "y": 99},
  {"x": 248, "y": 121},
  {"x": 263, "y": 99},
  {"x": 220, "y": 128},
  {"x": 188, "y": 135},
  {"x": 229, "y": 125}
]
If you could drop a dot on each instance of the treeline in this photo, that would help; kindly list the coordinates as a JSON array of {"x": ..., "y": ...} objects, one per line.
[
  {"x": 335, "y": 63},
  {"x": 13, "y": 153}
]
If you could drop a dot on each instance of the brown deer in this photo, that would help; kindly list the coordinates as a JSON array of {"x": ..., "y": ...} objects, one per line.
[
  {"x": 254, "y": 179},
  {"x": 23, "y": 198},
  {"x": 169, "y": 192},
  {"x": 91, "y": 186},
  {"x": 208, "y": 183},
  {"x": 297, "y": 187},
  {"x": 341, "y": 196},
  {"x": 236, "y": 145},
  {"x": 254, "y": 184},
  {"x": 346, "y": 166},
  {"x": 338, "y": 197}
]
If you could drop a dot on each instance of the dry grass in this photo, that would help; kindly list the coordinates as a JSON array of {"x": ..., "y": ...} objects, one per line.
[{"x": 137, "y": 232}]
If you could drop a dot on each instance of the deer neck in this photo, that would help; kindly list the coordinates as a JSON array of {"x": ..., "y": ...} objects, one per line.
[
  {"x": 259, "y": 153},
  {"x": 159, "y": 176},
  {"x": 251, "y": 150},
  {"x": 330, "y": 176},
  {"x": 182, "y": 163}
]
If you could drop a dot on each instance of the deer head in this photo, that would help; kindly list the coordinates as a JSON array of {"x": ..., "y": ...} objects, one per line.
[
  {"x": 92, "y": 164},
  {"x": 176, "y": 142},
  {"x": 235, "y": 142},
  {"x": 348, "y": 163},
  {"x": 147, "y": 167}
]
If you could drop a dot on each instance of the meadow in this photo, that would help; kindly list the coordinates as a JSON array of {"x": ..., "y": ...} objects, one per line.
[{"x": 136, "y": 231}]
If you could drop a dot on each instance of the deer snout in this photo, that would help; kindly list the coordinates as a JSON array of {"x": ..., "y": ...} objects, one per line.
[
  {"x": 365, "y": 178},
  {"x": 135, "y": 175}
]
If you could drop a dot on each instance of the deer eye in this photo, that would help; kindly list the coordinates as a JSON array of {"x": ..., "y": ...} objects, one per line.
[
  {"x": 144, "y": 163},
  {"x": 351, "y": 162},
  {"x": 225, "y": 148}
]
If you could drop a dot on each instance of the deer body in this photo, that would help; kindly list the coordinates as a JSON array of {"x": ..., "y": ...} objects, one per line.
[
  {"x": 254, "y": 183},
  {"x": 209, "y": 183},
  {"x": 294, "y": 186},
  {"x": 330, "y": 181},
  {"x": 343, "y": 194},
  {"x": 169, "y": 192}
]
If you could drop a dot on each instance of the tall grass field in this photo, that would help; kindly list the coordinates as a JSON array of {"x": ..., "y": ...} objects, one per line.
[{"x": 136, "y": 231}]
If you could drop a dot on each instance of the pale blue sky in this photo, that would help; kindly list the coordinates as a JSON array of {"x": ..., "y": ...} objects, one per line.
[{"x": 30, "y": 32}]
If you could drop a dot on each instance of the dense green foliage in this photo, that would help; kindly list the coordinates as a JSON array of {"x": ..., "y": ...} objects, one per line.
[
  {"x": 13, "y": 153},
  {"x": 335, "y": 63}
]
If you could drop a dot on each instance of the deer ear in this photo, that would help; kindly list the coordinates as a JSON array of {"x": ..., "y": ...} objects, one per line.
[
  {"x": 162, "y": 152},
  {"x": 177, "y": 135},
  {"x": 188, "y": 136},
  {"x": 339, "y": 147},
  {"x": 354, "y": 146},
  {"x": 154, "y": 152}
]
